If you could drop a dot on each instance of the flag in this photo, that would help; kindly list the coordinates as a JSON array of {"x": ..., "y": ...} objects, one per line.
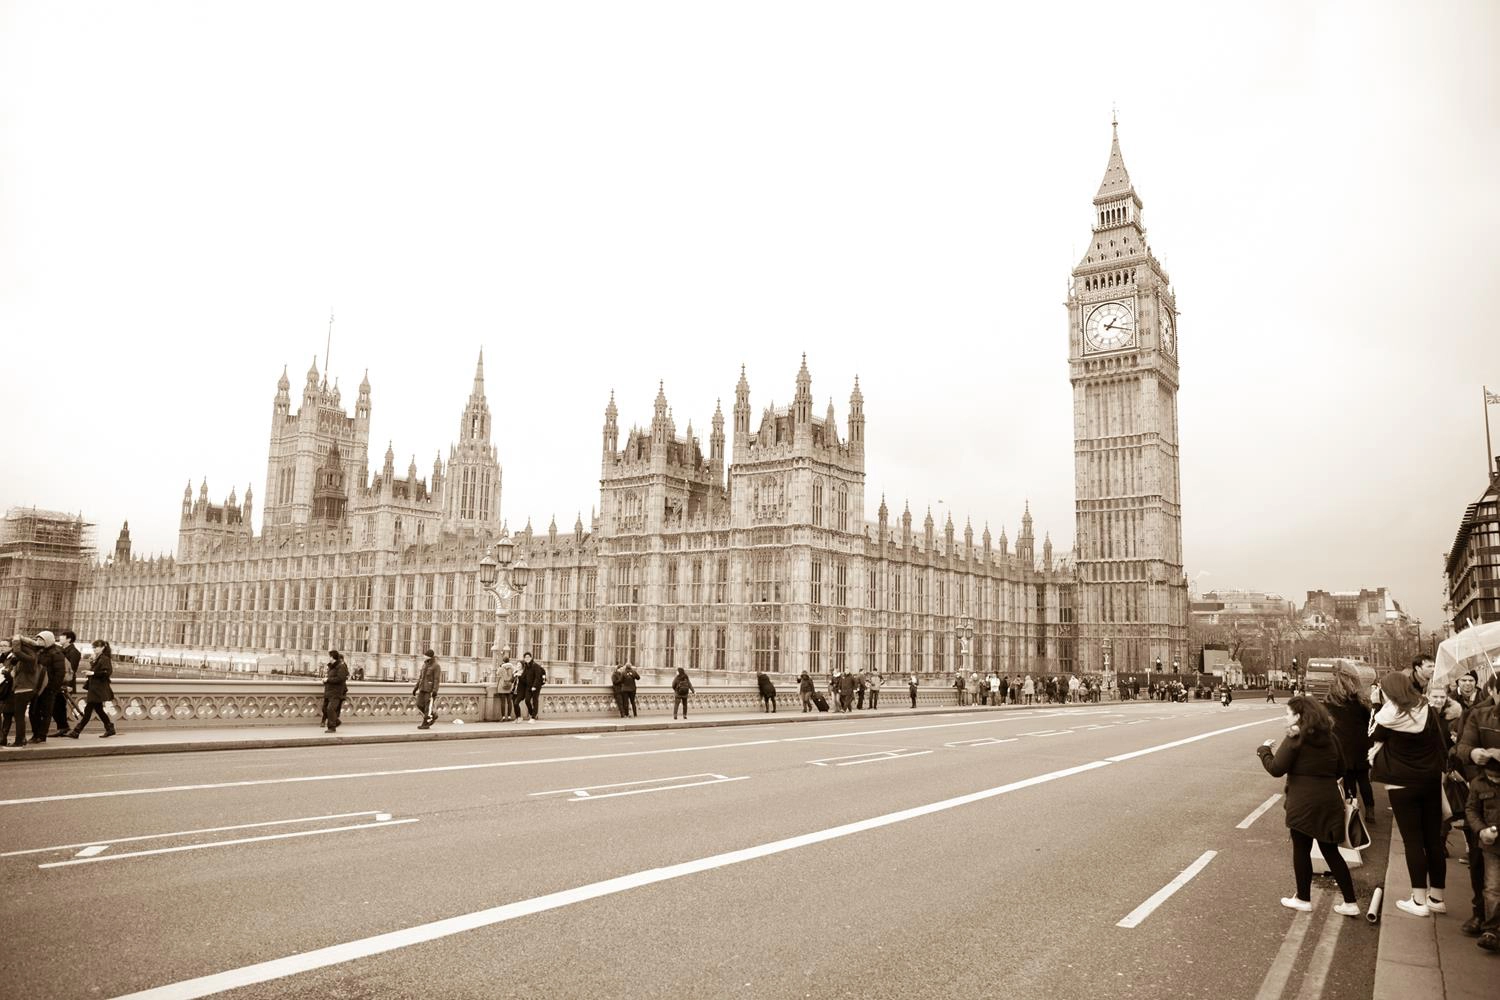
[{"x": 1491, "y": 398}]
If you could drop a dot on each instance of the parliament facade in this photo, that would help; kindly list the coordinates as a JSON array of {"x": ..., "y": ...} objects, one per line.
[{"x": 758, "y": 554}]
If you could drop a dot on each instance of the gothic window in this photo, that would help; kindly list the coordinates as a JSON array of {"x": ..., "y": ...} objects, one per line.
[
  {"x": 671, "y": 595},
  {"x": 817, "y": 501},
  {"x": 842, "y": 508},
  {"x": 695, "y": 647},
  {"x": 767, "y": 579},
  {"x": 766, "y": 649},
  {"x": 815, "y": 651},
  {"x": 698, "y": 580},
  {"x": 841, "y": 584},
  {"x": 816, "y": 579},
  {"x": 721, "y": 581},
  {"x": 721, "y": 647}
]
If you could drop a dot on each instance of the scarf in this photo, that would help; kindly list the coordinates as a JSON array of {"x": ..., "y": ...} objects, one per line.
[{"x": 1393, "y": 718}]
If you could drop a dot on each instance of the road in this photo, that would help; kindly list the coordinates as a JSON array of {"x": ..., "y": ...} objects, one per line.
[{"x": 962, "y": 855}]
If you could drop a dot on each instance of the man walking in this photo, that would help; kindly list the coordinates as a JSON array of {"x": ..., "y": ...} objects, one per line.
[
  {"x": 767, "y": 691},
  {"x": 911, "y": 686},
  {"x": 617, "y": 688},
  {"x": 335, "y": 690},
  {"x": 426, "y": 690},
  {"x": 682, "y": 686},
  {"x": 628, "y": 678},
  {"x": 66, "y": 639},
  {"x": 27, "y": 678},
  {"x": 873, "y": 684},
  {"x": 44, "y": 707}
]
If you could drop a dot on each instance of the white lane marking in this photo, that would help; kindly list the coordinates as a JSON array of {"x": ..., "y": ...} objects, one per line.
[
  {"x": 1260, "y": 811},
  {"x": 437, "y": 769},
  {"x": 89, "y": 852},
  {"x": 1134, "y": 918},
  {"x": 1322, "y": 957},
  {"x": 585, "y": 736},
  {"x": 229, "y": 843},
  {"x": 588, "y": 793},
  {"x": 1040, "y": 732},
  {"x": 982, "y": 741},
  {"x": 1177, "y": 743},
  {"x": 869, "y": 758},
  {"x": 338, "y": 954},
  {"x": 187, "y": 833},
  {"x": 1280, "y": 971}
]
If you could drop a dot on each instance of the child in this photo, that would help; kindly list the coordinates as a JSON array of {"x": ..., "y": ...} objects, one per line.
[{"x": 1483, "y": 815}]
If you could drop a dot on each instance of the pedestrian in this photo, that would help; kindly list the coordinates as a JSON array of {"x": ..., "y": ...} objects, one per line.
[
  {"x": 1271, "y": 693},
  {"x": 994, "y": 688},
  {"x": 1072, "y": 688},
  {"x": 1408, "y": 756},
  {"x": 628, "y": 678},
  {"x": 28, "y": 678},
  {"x": 1028, "y": 690},
  {"x": 426, "y": 690},
  {"x": 767, "y": 691},
  {"x": 1004, "y": 690},
  {"x": 52, "y": 700},
  {"x": 335, "y": 690},
  {"x": 505, "y": 688},
  {"x": 911, "y": 687},
  {"x": 682, "y": 686},
  {"x": 1479, "y": 752},
  {"x": 806, "y": 688},
  {"x": 617, "y": 687},
  {"x": 846, "y": 690},
  {"x": 97, "y": 690},
  {"x": 872, "y": 683},
  {"x": 833, "y": 690},
  {"x": 1312, "y": 761},
  {"x": 958, "y": 685},
  {"x": 533, "y": 676},
  {"x": 860, "y": 686},
  {"x": 67, "y": 641},
  {"x": 1350, "y": 711}
]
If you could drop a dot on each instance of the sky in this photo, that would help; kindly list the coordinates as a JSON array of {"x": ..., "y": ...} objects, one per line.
[{"x": 603, "y": 196}]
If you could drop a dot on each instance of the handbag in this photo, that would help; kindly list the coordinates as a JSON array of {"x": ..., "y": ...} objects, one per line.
[{"x": 1356, "y": 833}]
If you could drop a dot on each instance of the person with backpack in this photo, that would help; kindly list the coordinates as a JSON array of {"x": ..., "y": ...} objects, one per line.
[
  {"x": 1408, "y": 755},
  {"x": 767, "y": 691},
  {"x": 682, "y": 686},
  {"x": 426, "y": 690},
  {"x": 628, "y": 677},
  {"x": 505, "y": 688}
]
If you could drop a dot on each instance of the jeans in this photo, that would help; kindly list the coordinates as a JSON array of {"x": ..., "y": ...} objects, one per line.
[
  {"x": 91, "y": 709},
  {"x": 1491, "y": 890},
  {"x": 1302, "y": 866},
  {"x": 807, "y": 702},
  {"x": 533, "y": 701},
  {"x": 680, "y": 700},
  {"x": 507, "y": 705},
  {"x": 874, "y": 700},
  {"x": 1419, "y": 816},
  {"x": 333, "y": 707},
  {"x": 19, "y": 706}
]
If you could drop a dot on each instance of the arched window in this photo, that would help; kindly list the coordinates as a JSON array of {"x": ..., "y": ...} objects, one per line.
[{"x": 817, "y": 501}]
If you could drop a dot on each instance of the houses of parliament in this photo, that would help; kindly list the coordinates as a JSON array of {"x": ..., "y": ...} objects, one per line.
[{"x": 758, "y": 553}]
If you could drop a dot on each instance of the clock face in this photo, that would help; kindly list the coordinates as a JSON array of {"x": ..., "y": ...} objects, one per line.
[
  {"x": 1168, "y": 333},
  {"x": 1109, "y": 327}
]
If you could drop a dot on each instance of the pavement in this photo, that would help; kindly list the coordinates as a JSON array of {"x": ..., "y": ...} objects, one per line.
[
  {"x": 1131, "y": 851},
  {"x": 1430, "y": 957},
  {"x": 172, "y": 739}
]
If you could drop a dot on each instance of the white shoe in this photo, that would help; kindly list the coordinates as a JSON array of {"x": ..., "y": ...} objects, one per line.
[
  {"x": 1293, "y": 903},
  {"x": 1347, "y": 909},
  {"x": 1436, "y": 905},
  {"x": 1414, "y": 908}
]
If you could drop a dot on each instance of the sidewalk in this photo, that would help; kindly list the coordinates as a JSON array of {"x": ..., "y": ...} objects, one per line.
[
  {"x": 1430, "y": 957},
  {"x": 173, "y": 740}
]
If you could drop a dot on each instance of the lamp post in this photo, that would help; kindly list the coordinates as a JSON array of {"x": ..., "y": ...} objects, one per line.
[
  {"x": 505, "y": 578},
  {"x": 965, "y": 633}
]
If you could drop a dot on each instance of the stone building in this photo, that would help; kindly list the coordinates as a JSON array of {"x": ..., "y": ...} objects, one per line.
[
  {"x": 41, "y": 555},
  {"x": 1472, "y": 565},
  {"x": 758, "y": 553}
]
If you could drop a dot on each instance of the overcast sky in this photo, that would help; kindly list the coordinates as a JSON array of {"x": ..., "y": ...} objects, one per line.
[{"x": 602, "y": 195}]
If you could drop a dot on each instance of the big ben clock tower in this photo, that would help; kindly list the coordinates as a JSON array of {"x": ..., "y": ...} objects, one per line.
[{"x": 1122, "y": 359}]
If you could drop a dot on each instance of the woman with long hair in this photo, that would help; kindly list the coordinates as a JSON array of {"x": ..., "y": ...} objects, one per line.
[
  {"x": 1407, "y": 756},
  {"x": 1350, "y": 708},
  {"x": 97, "y": 691},
  {"x": 1312, "y": 761}
]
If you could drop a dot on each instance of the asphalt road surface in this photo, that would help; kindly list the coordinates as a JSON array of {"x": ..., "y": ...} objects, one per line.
[{"x": 1092, "y": 851}]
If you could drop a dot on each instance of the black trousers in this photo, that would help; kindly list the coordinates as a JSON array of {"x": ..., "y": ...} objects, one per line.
[
  {"x": 1360, "y": 778},
  {"x": 333, "y": 707},
  {"x": 1302, "y": 866},
  {"x": 533, "y": 701},
  {"x": 630, "y": 700},
  {"x": 44, "y": 710},
  {"x": 20, "y": 705},
  {"x": 621, "y": 705},
  {"x": 768, "y": 703},
  {"x": 860, "y": 703},
  {"x": 680, "y": 700},
  {"x": 874, "y": 699},
  {"x": 1419, "y": 815},
  {"x": 91, "y": 709},
  {"x": 913, "y": 697}
]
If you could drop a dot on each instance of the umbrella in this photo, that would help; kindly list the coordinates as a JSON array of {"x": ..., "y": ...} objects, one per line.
[{"x": 1476, "y": 648}]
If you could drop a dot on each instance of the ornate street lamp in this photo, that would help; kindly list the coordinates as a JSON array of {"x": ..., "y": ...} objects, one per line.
[
  {"x": 504, "y": 578},
  {"x": 965, "y": 632}
]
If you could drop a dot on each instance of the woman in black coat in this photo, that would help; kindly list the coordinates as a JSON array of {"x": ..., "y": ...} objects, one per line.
[
  {"x": 1312, "y": 762},
  {"x": 97, "y": 691},
  {"x": 1349, "y": 706}
]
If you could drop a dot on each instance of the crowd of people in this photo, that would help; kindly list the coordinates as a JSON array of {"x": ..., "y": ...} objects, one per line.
[
  {"x": 38, "y": 679},
  {"x": 1437, "y": 751}
]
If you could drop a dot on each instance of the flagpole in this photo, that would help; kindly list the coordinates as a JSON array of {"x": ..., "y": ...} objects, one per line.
[{"x": 1489, "y": 452}]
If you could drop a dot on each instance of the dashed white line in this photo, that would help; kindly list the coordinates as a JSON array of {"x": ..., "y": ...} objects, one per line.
[
  {"x": 590, "y": 793},
  {"x": 1140, "y": 913},
  {"x": 1260, "y": 811},
  {"x": 227, "y": 843},
  {"x": 186, "y": 833}
]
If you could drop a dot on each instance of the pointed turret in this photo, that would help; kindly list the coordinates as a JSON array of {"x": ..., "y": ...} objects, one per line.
[
  {"x": 388, "y": 473},
  {"x": 948, "y": 532},
  {"x": 283, "y": 384},
  {"x": 660, "y": 420},
  {"x": 906, "y": 526},
  {"x": 885, "y": 519},
  {"x": 1047, "y": 552},
  {"x": 802, "y": 399},
  {"x": 247, "y": 507},
  {"x": 741, "y": 415},
  {"x": 1004, "y": 544},
  {"x": 478, "y": 391},
  {"x": 716, "y": 443},
  {"x": 362, "y": 404},
  {"x": 611, "y": 427},
  {"x": 857, "y": 419},
  {"x": 411, "y": 470},
  {"x": 927, "y": 525},
  {"x": 122, "y": 544},
  {"x": 552, "y": 531},
  {"x": 578, "y": 529},
  {"x": 830, "y": 428},
  {"x": 1116, "y": 203}
]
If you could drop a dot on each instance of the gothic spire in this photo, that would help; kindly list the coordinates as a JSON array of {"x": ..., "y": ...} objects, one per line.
[{"x": 1116, "y": 182}]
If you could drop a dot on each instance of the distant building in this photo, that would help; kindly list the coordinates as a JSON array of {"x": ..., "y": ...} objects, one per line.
[
  {"x": 43, "y": 555},
  {"x": 1473, "y": 564},
  {"x": 1359, "y": 609}
]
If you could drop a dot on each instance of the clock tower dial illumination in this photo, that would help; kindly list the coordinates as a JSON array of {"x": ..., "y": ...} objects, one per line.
[{"x": 1110, "y": 327}]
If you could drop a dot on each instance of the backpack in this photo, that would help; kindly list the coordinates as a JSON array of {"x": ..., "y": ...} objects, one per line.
[{"x": 680, "y": 684}]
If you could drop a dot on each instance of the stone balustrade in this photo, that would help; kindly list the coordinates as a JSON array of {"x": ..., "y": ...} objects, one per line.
[{"x": 192, "y": 704}]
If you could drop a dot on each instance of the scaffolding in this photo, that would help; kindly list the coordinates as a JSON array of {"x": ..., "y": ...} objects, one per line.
[{"x": 43, "y": 556}]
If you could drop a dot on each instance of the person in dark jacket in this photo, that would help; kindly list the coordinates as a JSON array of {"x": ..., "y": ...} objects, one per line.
[
  {"x": 1312, "y": 761},
  {"x": 1351, "y": 727},
  {"x": 1408, "y": 754},
  {"x": 807, "y": 689},
  {"x": 911, "y": 687},
  {"x": 628, "y": 678},
  {"x": 616, "y": 682},
  {"x": 97, "y": 691},
  {"x": 767, "y": 691},
  {"x": 67, "y": 641},
  {"x": 529, "y": 687},
  {"x": 27, "y": 677},
  {"x": 335, "y": 690},
  {"x": 847, "y": 684},
  {"x": 44, "y": 707},
  {"x": 1479, "y": 751},
  {"x": 426, "y": 690},
  {"x": 682, "y": 686}
]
